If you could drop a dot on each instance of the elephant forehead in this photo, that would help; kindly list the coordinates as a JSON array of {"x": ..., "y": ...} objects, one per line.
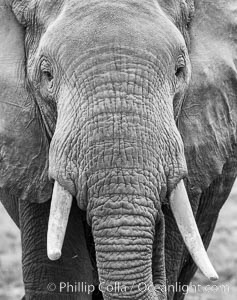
[{"x": 79, "y": 28}]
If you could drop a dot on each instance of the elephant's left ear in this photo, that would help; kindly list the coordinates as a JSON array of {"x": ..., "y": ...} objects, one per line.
[
  {"x": 208, "y": 121},
  {"x": 23, "y": 144}
]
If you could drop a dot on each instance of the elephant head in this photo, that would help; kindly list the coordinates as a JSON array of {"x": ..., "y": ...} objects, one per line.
[{"x": 91, "y": 95}]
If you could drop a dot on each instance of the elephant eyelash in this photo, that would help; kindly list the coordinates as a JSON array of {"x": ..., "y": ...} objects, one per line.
[{"x": 45, "y": 66}]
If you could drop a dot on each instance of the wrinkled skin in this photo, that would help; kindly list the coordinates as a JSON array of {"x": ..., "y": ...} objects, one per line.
[{"x": 99, "y": 96}]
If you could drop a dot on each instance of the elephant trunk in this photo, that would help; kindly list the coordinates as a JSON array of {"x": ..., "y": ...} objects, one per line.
[{"x": 124, "y": 239}]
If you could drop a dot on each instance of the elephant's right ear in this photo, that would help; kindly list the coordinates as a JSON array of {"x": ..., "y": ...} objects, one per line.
[{"x": 23, "y": 143}]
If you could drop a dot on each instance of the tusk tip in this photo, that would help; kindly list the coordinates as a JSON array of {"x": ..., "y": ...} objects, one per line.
[
  {"x": 211, "y": 275},
  {"x": 54, "y": 254},
  {"x": 214, "y": 278}
]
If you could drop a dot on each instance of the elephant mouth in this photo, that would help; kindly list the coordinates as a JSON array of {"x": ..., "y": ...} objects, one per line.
[{"x": 181, "y": 209}]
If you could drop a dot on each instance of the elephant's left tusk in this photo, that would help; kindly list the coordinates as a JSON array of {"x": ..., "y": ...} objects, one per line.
[
  {"x": 59, "y": 213},
  {"x": 185, "y": 220}
]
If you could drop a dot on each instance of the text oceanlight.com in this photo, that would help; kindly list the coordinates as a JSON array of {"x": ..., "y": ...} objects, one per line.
[{"x": 117, "y": 287}]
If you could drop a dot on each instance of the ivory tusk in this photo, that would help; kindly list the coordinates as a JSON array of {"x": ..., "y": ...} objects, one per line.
[
  {"x": 185, "y": 220},
  {"x": 59, "y": 213}
]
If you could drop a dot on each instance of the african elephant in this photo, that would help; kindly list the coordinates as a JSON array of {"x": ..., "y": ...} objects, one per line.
[{"x": 108, "y": 110}]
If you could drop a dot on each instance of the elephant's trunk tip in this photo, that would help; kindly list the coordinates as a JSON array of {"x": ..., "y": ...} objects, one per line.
[{"x": 59, "y": 213}]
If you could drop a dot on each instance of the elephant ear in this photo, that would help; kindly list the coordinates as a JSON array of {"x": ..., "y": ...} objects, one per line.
[
  {"x": 208, "y": 120},
  {"x": 23, "y": 143}
]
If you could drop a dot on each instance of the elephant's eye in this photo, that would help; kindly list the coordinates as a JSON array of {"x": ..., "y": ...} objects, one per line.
[
  {"x": 47, "y": 78},
  {"x": 48, "y": 75},
  {"x": 179, "y": 71},
  {"x": 180, "y": 67}
]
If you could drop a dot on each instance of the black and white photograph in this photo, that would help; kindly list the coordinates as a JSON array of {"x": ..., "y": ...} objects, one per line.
[{"x": 118, "y": 149}]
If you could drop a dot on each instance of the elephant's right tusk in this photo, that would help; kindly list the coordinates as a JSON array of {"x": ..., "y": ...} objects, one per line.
[
  {"x": 59, "y": 213},
  {"x": 185, "y": 220}
]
